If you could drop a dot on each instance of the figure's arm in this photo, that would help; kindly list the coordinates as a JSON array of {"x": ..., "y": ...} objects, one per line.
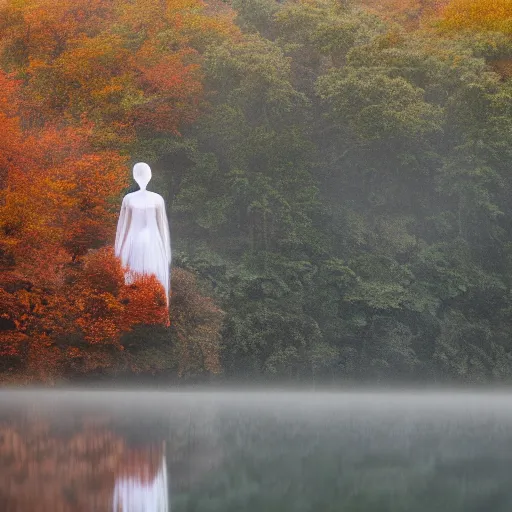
[
  {"x": 163, "y": 227},
  {"x": 123, "y": 225}
]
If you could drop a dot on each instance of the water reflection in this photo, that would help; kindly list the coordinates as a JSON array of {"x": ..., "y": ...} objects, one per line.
[
  {"x": 141, "y": 483},
  {"x": 79, "y": 463},
  {"x": 272, "y": 452}
]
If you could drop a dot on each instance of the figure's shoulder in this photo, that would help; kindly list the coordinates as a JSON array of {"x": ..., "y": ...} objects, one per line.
[
  {"x": 157, "y": 197},
  {"x": 130, "y": 199},
  {"x": 136, "y": 199}
]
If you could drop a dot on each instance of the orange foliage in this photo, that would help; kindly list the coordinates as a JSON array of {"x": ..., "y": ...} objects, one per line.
[
  {"x": 166, "y": 82},
  {"x": 77, "y": 324},
  {"x": 60, "y": 195},
  {"x": 11, "y": 133},
  {"x": 409, "y": 13},
  {"x": 120, "y": 64},
  {"x": 480, "y": 15}
]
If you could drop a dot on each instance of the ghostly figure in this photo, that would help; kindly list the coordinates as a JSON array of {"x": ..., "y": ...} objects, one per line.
[{"x": 143, "y": 240}]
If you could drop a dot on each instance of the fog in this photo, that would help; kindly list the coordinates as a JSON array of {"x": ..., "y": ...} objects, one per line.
[{"x": 259, "y": 449}]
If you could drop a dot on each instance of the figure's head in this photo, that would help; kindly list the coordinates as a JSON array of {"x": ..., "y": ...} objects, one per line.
[{"x": 142, "y": 174}]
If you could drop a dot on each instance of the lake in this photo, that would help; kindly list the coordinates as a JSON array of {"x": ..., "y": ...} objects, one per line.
[{"x": 259, "y": 451}]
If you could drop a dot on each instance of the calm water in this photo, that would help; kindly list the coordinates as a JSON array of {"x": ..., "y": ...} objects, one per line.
[{"x": 249, "y": 451}]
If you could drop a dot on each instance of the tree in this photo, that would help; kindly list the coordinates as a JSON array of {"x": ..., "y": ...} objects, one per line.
[
  {"x": 120, "y": 65},
  {"x": 411, "y": 14},
  {"x": 479, "y": 15}
]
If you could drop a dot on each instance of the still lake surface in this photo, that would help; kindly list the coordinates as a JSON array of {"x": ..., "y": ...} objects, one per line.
[{"x": 255, "y": 451}]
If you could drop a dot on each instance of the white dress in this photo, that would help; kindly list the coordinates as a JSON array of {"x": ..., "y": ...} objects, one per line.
[
  {"x": 143, "y": 240},
  {"x": 131, "y": 494}
]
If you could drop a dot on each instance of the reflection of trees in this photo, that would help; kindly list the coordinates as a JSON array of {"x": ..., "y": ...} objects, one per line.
[
  {"x": 68, "y": 458},
  {"x": 193, "y": 446},
  {"x": 46, "y": 470}
]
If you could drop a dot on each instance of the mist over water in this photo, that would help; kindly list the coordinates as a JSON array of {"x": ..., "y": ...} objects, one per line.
[{"x": 260, "y": 450}]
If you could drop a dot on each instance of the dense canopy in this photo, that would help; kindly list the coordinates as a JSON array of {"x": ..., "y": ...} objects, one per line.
[{"x": 338, "y": 177}]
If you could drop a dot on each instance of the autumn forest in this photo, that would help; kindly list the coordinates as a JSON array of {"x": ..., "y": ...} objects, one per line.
[{"x": 337, "y": 175}]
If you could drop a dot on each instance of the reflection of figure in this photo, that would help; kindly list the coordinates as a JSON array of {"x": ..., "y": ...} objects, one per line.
[
  {"x": 143, "y": 239},
  {"x": 141, "y": 485}
]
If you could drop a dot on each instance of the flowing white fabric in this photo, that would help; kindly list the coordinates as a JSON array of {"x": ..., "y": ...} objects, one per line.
[
  {"x": 131, "y": 494},
  {"x": 143, "y": 241}
]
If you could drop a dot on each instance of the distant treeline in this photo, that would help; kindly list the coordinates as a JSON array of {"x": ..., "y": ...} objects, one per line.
[{"x": 348, "y": 196}]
